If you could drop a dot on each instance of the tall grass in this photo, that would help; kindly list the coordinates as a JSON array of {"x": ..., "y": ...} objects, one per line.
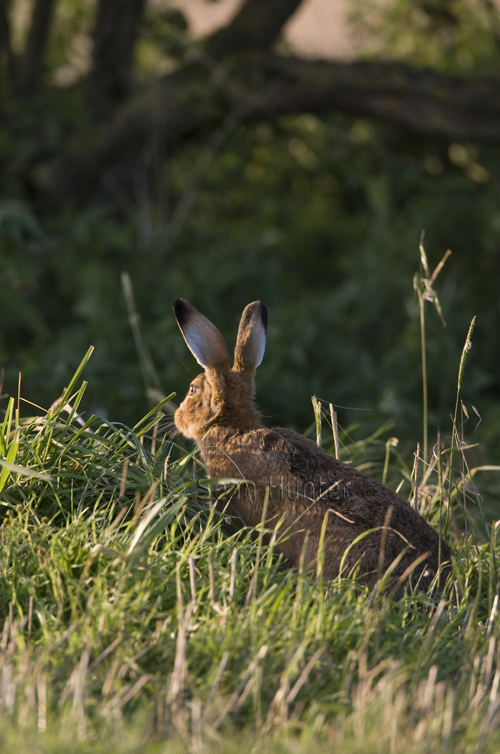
[
  {"x": 132, "y": 617},
  {"x": 423, "y": 283}
]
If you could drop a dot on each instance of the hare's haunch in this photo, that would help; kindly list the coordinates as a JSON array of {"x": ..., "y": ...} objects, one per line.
[{"x": 368, "y": 526}]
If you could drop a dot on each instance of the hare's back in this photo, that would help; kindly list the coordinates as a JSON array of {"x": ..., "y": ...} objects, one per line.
[
  {"x": 340, "y": 487},
  {"x": 362, "y": 504}
]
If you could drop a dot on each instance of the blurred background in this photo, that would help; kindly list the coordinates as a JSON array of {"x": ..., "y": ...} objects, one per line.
[{"x": 226, "y": 151}]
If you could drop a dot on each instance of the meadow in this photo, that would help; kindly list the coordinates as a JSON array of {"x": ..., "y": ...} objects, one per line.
[{"x": 135, "y": 617}]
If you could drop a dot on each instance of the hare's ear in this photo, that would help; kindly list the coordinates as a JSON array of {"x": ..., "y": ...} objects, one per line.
[
  {"x": 202, "y": 337},
  {"x": 251, "y": 340}
]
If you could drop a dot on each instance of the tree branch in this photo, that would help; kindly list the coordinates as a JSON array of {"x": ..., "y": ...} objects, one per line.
[
  {"x": 110, "y": 78},
  {"x": 421, "y": 100},
  {"x": 197, "y": 99}
]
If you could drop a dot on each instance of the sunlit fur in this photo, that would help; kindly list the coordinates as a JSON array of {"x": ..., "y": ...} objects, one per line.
[
  {"x": 305, "y": 490},
  {"x": 226, "y": 404}
]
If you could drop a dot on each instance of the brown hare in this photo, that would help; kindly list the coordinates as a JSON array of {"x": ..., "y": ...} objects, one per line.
[{"x": 368, "y": 527}]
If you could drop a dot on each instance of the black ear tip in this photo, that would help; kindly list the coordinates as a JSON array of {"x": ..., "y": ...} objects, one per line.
[
  {"x": 181, "y": 309},
  {"x": 263, "y": 314},
  {"x": 258, "y": 309}
]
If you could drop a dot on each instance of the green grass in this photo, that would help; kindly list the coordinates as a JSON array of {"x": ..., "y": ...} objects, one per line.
[{"x": 132, "y": 618}]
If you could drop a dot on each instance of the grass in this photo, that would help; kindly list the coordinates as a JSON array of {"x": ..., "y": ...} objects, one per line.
[{"x": 132, "y": 619}]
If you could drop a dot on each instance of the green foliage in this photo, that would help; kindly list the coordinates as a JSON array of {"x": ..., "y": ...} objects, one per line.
[
  {"x": 452, "y": 35},
  {"x": 319, "y": 217},
  {"x": 21, "y": 239},
  {"x": 69, "y": 49},
  {"x": 163, "y": 41}
]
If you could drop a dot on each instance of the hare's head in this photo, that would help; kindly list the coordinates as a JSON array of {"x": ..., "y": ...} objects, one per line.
[{"x": 220, "y": 395}]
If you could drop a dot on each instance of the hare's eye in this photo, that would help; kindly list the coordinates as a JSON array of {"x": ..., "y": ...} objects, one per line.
[{"x": 193, "y": 389}]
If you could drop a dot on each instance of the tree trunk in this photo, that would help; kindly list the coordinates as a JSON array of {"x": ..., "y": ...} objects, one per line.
[
  {"x": 6, "y": 56},
  {"x": 255, "y": 27},
  {"x": 110, "y": 78},
  {"x": 30, "y": 66},
  {"x": 4, "y": 27}
]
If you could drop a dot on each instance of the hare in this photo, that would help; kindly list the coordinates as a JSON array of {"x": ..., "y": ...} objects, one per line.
[{"x": 368, "y": 528}]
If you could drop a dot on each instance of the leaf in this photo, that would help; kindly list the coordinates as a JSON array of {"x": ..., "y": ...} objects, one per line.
[{"x": 11, "y": 455}]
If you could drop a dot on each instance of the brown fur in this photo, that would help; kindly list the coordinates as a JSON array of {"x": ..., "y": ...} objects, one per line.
[{"x": 305, "y": 483}]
